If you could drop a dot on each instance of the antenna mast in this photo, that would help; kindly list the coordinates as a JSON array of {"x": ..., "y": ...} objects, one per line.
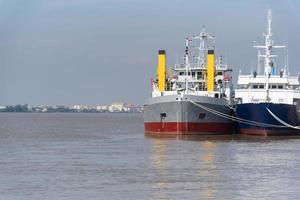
[
  {"x": 286, "y": 67},
  {"x": 269, "y": 58},
  {"x": 187, "y": 63},
  {"x": 203, "y": 47}
]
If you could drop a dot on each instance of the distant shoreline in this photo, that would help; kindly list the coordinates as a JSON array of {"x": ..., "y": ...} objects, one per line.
[
  {"x": 78, "y": 112},
  {"x": 113, "y": 108},
  {"x": 71, "y": 112}
]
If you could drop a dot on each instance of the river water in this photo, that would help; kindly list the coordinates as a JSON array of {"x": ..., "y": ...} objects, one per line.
[{"x": 107, "y": 156}]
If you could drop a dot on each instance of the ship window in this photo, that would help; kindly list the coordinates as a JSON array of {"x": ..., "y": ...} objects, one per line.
[
  {"x": 199, "y": 74},
  {"x": 181, "y": 73},
  {"x": 193, "y": 74},
  {"x": 220, "y": 73},
  {"x": 242, "y": 86},
  {"x": 280, "y": 86},
  {"x": 274, "y": 86},
  {"x": 261, "y": 86},
  {"x": 255, "y": 86},
  {"x": 163, "y": 115},
  {"x": 216, "y": 95},
  {"x": 202, "y": 115}
]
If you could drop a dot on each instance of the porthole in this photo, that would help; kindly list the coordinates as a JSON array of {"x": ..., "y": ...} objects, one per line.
[{"x": 202, "y": 115}]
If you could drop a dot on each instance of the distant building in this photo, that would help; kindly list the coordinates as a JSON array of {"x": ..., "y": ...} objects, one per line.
[
  {"x": 102, "y": 108},
  {"x": 44, "y": 109},
  {"x": 37, "y": 109},
  {"x": 60, "y": 107},
  {"x": 79, "y": 107},
  {"x": 135, "y": 109},
  {"x": 118, "y": 107}
]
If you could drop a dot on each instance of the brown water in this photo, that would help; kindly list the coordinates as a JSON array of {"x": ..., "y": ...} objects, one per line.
[{"x": 107, "y": 156}]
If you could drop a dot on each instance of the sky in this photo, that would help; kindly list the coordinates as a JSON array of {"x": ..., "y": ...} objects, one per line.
[{"x": 94, "y": 52}]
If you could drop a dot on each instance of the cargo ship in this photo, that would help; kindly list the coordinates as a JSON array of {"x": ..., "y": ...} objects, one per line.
[
  {"x": 268, "y": 101},
  {"x": 185, "y": 98}
]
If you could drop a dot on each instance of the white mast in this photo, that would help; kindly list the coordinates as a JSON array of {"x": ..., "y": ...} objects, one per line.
[
  {"x": 286, "y": 67},
  {"x": 203, "y": 48},
  {"x": 187, "y": 64},
  {"x": 268, "y": 56}
]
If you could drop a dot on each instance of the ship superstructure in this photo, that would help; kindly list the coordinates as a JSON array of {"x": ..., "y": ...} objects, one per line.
[
  {"x": 181, "y": 96},
  {"x": 268, "y": 100}
]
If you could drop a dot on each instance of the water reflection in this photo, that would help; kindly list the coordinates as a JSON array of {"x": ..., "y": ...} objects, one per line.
[
  {"x": 233, "y": 137},
  {"x": 219, "y": 166},
  {"x": 207, "y": 169},
  {"x": 206, "y": 175},
  {"x": 192, "y": 137},
  {"x": 159, "y": 163}
]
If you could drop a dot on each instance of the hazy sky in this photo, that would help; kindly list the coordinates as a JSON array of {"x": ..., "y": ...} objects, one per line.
[{"x": 99, "y": 51}]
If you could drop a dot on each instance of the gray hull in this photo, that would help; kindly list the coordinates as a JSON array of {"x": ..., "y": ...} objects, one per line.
[{"x": 175, "y": 114}]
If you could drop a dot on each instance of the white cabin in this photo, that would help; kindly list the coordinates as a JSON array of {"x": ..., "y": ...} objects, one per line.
[{"x": 285, "y": 89}]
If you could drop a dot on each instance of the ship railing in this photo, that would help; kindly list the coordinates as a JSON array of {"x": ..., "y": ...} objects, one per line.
[
  {"x": 258, "y": 96},
  {"x": 183, "y": 78},
  {"x": 263, "y": 76},
  {"x": 190, "y": 92},
  {"x": 164, "y": 93},
  {"x": 192, "y": 66}
]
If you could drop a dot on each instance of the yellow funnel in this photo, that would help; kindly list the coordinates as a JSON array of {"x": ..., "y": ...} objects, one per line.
[
  {"x": 161, "y": 70},
  {"x": 210, "y": 71}
]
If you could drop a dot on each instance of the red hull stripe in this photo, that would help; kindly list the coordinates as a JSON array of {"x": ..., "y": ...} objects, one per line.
[{"x": 182, "y": 127}]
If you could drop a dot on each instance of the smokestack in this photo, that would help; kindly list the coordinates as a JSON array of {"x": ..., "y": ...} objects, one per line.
[
  {"x": 210, "y": 71},
  {"x": 161, "y": 70}
]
